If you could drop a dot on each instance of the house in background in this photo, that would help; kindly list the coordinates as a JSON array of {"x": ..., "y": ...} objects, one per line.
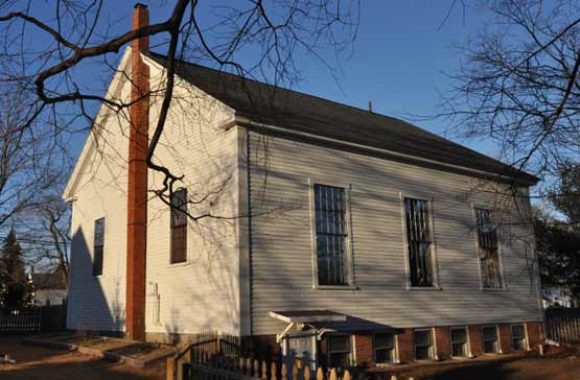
[
  {"x": 329, "y": 231},
  {"x": 557, "y": 297},
  {"x": 50, "y": 288}
]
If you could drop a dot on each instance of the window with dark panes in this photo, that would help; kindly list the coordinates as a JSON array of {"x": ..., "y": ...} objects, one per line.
[
  {"x": 179, "y": 226},
  {"x": 488, "y": 249},
  {"x": 458, "y": 342},
  {"x": 489, "y": 339},
  {"x": 423, "y": 344},
  {"x": 331, "y": 235},
  {"x": 339, "y": 351},
  {"x": 98, "y": 246},
  {"x": 419, "y": 242},
  {"x": 384, "y": 346},
  {"x": 518, "y": 337}
]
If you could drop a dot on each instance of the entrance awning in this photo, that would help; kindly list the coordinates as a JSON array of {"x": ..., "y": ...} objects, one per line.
[
  {"x": 305, "y": 317},
  {"x": 308, "y": 316}
]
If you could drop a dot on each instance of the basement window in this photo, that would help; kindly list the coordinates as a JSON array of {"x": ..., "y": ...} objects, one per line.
[
  {"x": 384, "y": 346},
  {"x": 488, "y": 249},
  {"x": 98, "y": 246},
  {"x": 459, "y": 342},
  {"x": 489, "y": 339},
  {"x": 419, "y": 242},
  {"x": 339, "y": 351},
  {"x": 424, "y": 344},
  {"x": 179, "y": 226},
  {"x": 518, "y": 337},
  {"x": 331, "y": 235}
]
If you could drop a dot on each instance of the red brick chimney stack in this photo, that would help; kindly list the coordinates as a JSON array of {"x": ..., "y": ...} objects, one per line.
[{"x": 137, "y": 181}]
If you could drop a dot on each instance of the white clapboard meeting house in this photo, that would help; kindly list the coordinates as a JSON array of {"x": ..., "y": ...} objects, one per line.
[{"x": 330, "y": 232}]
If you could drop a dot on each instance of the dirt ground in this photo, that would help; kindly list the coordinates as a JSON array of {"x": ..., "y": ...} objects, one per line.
[
  {"x": 35, "y": 362},
  {"x": 553, "y": 367}
]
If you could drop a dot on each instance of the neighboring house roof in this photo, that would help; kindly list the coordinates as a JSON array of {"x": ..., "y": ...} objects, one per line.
[
  {"x": 51, "y": 280},
  {"x": 275, "y": 106}
]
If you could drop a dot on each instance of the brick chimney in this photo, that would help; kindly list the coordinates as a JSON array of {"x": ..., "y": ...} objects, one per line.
[{"x": 137, "y": 182}]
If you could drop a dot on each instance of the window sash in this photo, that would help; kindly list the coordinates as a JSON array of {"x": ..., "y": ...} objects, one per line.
[
  {"x": 178, "y": 226},
  {"x": 423, "y": 344},
  {"x": 489, "y": 337},
  {"x": 518, "y": 337},
  {"x": 487, "y": 239},
  {"x": 458, "y": 342},
  {"x": 331, "y": 235},
  {"x": 339, "y": 350},
  {"x": 419, "y": 242},
  {"x": 384, "y": 344},
  {"x": 98, "y": 246}
]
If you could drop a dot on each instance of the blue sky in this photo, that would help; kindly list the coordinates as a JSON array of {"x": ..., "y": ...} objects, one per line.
[{"x": 398, "y": 60}]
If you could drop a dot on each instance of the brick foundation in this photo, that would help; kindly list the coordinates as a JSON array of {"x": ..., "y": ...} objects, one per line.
[
  {"x": 535, "y": 333},
  {"x": 475, "y": 340},
  {"x": 265, "y": 346},
  {"x": 364, "y": 353},
  {"x": 442, "y": 343},
  {"x": 505, "y": 338},
  {"x": 405, "y": 348}
]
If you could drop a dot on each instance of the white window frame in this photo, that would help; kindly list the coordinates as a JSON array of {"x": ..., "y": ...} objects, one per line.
[
  {"x": 526, "y": 340},
  {"x": 497, "y": 340},
  {"x": 467, "y": 342},
  {"x": 349, "y": 247},
  {"x": 432, "y": 234},
  {"x": 351, "y": 343},
  {"x": 504, "y": 286},
  {"x": 433, "y": 353},
  {"x": 394, "y": 349}
]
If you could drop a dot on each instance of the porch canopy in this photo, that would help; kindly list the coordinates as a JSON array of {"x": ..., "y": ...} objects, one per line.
[
  {"x": 308, "y": 316},
  {"x": 327, "y": 321}
]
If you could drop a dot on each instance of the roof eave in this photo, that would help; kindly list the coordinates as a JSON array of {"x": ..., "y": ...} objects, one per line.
[{"x": 525, "y": 179}]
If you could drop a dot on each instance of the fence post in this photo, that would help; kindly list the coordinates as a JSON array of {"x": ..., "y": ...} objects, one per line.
[
  {"x": 333, "y": 374},
  {"x": 319, "y": 374},
  {"x": 295, "y": 370},
  {"x": 284, "y": 374},
  {"x": 274, "y": 371},
  {"x": 170, "y": 371},
  {"x": 307, "y": 373}
]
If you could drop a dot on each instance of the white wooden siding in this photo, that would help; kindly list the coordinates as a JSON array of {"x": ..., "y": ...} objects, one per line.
[
  {"x": 98, "y": 303},
  {"x": 201, "y": 294},
  {"x": 281, "y": 241}
]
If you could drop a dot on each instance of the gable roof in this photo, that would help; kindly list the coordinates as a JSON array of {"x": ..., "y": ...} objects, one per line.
[{"x": 299, "y": 112}]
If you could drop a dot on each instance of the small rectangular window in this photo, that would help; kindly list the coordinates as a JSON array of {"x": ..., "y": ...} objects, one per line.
[
  {"x": 98, "y": 246},
  {"x": 488, "y": 249},
  {"x": 423, "y": 344},
  {"x": 179, "y": 226},
  {"x": 489, "y": 339},
  {"x": 518, "y": 337},
  {"x": 339, "y": 351},
  {"x": 459, "y": 342},
  {"x": 384, "y": 346},
  {"x": 331, "y": 235},
  {"x": 419, "y": 242}
]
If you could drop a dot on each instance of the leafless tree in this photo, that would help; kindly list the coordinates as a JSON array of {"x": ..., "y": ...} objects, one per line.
[
  {"x": 46, "y": 52},
  {"x": 29, "y": 156},
  {"x": 519, "y": 84}
]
